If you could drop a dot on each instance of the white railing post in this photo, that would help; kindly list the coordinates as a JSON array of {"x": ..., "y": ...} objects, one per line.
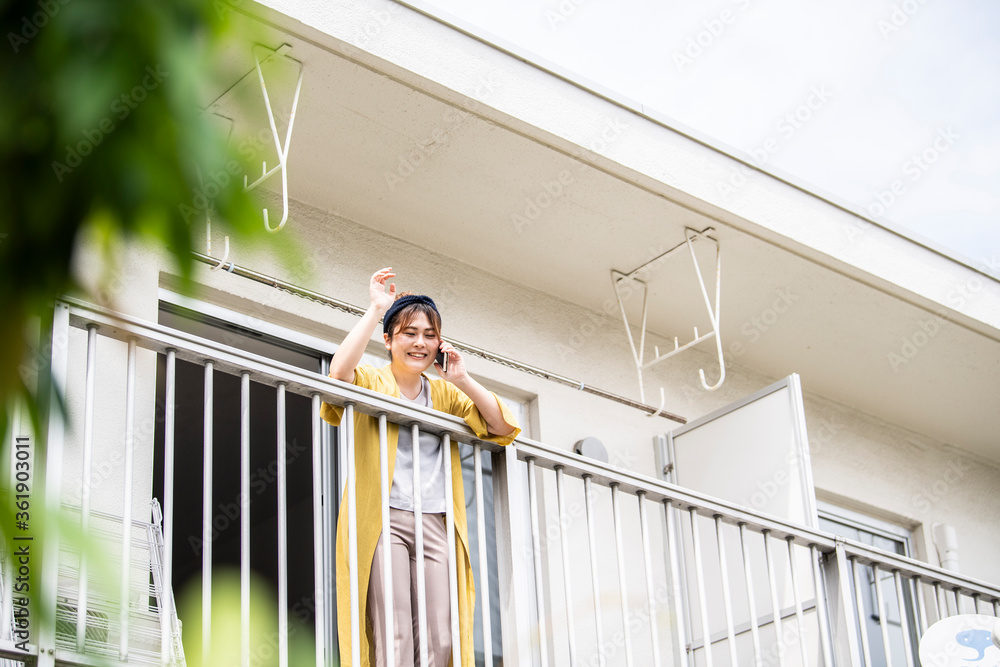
[
  {"x": 126, "y": 571},
  {"x": 449, "y": 526},
  {"x": 839, "y": 602},
  {"x": 420, "y": 638},
  {"x": 206, "y": 515},
  {"x": 880, "y": 606},
  {"x": 51, "y": 478},
  {"x": 320, "y": 566},
  {"x": 859, "y": 605},
  {"x": 513, "y": 563},
  {"x": 347, "y": 425},
  {"x": 680, "y": 633},
  {"x": 282, "y": 530},
  {"x": 386, "y": 486},
  {"x": 167, "y": 595},
  {"x": 245, "y": 519},
  {"x": 647, "y": 562},
  {"x": 588, "y": 496},
  {"x": 622, "y": 581},
  {"x": 88, "y": 458},
  {"x": 482, "y": 549},
  {"x": 566, "y": 572},
  {"x": 825, "y": 633},
  {"x": 904, "y": 617}
]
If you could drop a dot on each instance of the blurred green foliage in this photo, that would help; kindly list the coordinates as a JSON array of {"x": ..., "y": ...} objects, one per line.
[
  {"x": 226, "y": 640},
  {"x": 101, "y": 132},
  {"x": 101, "y": 137}
]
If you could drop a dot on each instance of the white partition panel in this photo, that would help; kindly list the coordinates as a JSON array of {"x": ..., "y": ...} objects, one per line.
[{"x": 755, "y": 453}]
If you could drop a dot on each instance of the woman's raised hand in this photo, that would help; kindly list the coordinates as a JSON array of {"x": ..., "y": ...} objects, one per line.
[{"x": 381, "y": 296}]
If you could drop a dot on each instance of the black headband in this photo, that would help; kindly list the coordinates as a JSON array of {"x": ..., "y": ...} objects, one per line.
[{"x": 403, "y": 302}]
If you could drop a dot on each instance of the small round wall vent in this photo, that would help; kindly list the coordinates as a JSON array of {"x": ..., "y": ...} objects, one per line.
[{"x": 591, "y": 448}]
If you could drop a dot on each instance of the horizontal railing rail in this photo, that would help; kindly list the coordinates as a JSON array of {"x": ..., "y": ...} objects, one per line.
[
  {"x": 702, "y": 578},
  {"x": 632, "y": 482},
  {"x": 905, "y": 585},
  {"x": 266, "y": 371}
]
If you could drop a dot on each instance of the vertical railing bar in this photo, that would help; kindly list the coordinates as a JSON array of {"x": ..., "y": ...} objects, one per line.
[
  {"x": 622, "y": 583},
  {"x": 821, "y": 608},
  {"x": 352, "y": 535},
  {"x": 536, "y": 557},
  {"x": 883, "y": 626},
  {"x": 88, "y": 457},
  {"x": 169, "y": 415},
  {"x": 904, "y": 621},
  {"x": 772, "y": 583},
  {"x": 940, "y": 611},
  {"x": 799, "y": 618},
  {"x": 727, "y": 601},
  {"x": 126, "y": 565},
  {"x": 318, "y": 533},
  {"x": 385, "y": 485},
  {"x": 700, "y": 579},
  {"x": 648, "y": 566},
  {"x": 206, "y": 517},
  {"x": 975, "y": 603},
  {"x": 958, "y": 601},
  {"x": 331, "y": 451},
  {"x": 282, "y": 531},
  {"x": 588, "y": 491},
  {"x": 751, "y": 595},
  {"x": 564, "y": 548},
  {"x": 245, "y": 518},
  {"x": 449, "y": 526},
  {"x": 483, "y": 564},
  {"x": 673, "y": 538},
  {"x": 921, "y": 606},
  {"x": 996, "y": 608},
  {"x": 50, "y": 474},
  {"x": 418, "y": 516},
  {"x": 862, "y": 616}
]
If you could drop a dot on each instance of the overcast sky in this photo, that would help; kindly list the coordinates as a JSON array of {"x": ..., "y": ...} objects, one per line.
[{"x": 891, "y": 106}]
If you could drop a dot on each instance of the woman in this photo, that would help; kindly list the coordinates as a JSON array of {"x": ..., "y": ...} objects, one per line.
[{"x": 412, "y": 334}]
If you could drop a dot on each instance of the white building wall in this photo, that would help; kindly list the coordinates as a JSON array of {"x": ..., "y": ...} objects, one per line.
[{"x": 888, "y": 471}]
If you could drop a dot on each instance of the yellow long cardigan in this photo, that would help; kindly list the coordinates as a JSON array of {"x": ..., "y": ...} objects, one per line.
[{"x": 445, "y": 397}]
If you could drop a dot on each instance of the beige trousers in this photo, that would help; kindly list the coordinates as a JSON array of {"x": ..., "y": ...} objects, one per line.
[{"x": 402, "y": 526}]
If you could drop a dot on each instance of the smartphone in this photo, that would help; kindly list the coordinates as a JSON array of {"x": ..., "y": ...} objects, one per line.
[{"x": 442, "y": 359}]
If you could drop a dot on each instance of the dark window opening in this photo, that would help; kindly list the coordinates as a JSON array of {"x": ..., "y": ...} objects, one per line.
[{"x": 187, "y": 547}]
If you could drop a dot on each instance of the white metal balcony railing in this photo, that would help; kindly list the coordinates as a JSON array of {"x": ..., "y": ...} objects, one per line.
[{"x": 597, "y": 565}]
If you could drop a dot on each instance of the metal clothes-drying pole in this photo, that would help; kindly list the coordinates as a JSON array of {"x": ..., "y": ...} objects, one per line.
[
  {"x": 638, "y": 355},
  {"x": 464, "y": 347}
]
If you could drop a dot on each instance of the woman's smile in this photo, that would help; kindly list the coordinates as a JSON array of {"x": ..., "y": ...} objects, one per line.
[{"x": 414, "y": 345}]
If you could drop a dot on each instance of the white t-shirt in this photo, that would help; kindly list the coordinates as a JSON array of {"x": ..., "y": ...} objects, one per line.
[{"x": 431, "y": 465}]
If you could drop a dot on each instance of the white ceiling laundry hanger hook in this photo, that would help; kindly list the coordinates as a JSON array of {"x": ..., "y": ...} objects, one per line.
[
  {"x": 713, "y": 316},
  {"x": 663, "y": 402},
  {"x": 208, "y": 232},
  {"x": 638, "y": 349},
  {"x": 208, "y": 242},
  {"x": 282, "y": 150}
]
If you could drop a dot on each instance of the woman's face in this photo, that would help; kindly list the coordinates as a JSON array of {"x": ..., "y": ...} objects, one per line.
[{"x": 414, "y": 346}]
